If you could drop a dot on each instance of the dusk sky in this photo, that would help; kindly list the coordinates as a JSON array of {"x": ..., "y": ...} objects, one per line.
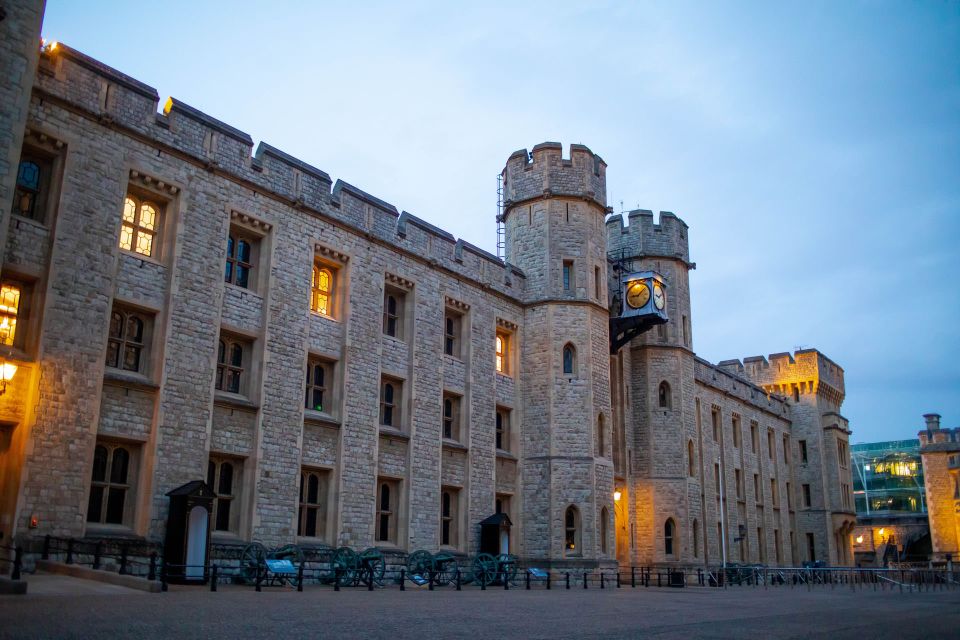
[{"x": 813, "y": 148}]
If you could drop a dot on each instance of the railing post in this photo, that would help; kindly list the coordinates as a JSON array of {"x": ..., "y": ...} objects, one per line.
[
  {"x": 568, "y": 579},
  {"x": 257, "y": 582},
  {"x": 458, "y": 579},
  {"x": 369, "y": 578},
  {"x": 483, "y": 584},
  {"x": 96, "y": 554},
  {"x": 336, "y": 579},
  {"x": 506, "y": 581},
  {"x": 528, "y": 580},
  {"x": 403, "y": 579},
  {"x": 300, "y": 578},
  {"x": 430, "y": 580},
  {"x": 69, "y": 559},
  {"x": 602, "y": 586},
  {"x": 17, "y": 563},
  {"x": 46, "y": 547},
  {"x": 659, "y": 584},
  {"x": 213, "y": 578},
  {"x": 618, "y": 577},
  {"x": 163, "y": 577},
  {"x": 548, "y": 580},
  {"x": 584, "y": 579},
  {"x": 633, "y": 578},
  {"x": 123, "y": 560},
  {"x": 152, "y": 571}
]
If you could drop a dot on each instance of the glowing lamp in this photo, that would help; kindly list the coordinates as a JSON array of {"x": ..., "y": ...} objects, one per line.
[
  {"x": 859, "y": 539},
  {"x": 616, "y": 496},
  {"x": 34, "y": 521},
  {"x": 7, "y": 371},
  {"x": 882, "y": 530}
]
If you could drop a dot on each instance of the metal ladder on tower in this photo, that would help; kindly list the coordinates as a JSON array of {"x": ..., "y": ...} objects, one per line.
[{"x": 501, "y": 232}]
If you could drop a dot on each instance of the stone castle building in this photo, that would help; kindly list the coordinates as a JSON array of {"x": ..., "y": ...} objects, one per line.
[
  {"x": 178, "y": 307},
  {"x": 940, "y": 452}
]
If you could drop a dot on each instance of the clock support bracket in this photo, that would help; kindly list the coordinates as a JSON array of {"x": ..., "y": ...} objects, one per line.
[{"x": 625, "y": 329}]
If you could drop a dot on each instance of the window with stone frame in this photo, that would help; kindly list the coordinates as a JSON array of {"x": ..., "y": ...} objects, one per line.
[
  {"x": 691, "y": 460},
  {"x": 754, "y": 437},
  {"x": 452, "y": 333},
  {"x": 388, "y": 501},
  {"x": 569, "y": 360},
  {"x": 789, "y": 497},
  {"x": 604, "y": 528},
  {"x": 738, "y": 480},
  {"x": 735, "y": 426},
  {"x": 771, "y": 445},
  {"x": 233, "y": 364},
  {"x": 664, "y": 398},
  {"x": 449, "y": 517},
  {"x": 601, "y": 438},
  {"x": 571, "y": 532},
  {"x": 786, "y": 450},
  {"x": 502, "y": 350},
  {"x": 243, "y": 254},
  {"x": 807, "y": 502},
  {"x": 318, "y": 391},
  {"x": 569, "y": 283},
  {"x": 502, "y": 431},
  {"x": 33, "y": 185},
  {"x": 323, "y": 289},
  {"x": 695, "y": 537},
  {"x": 501, "y": 504},
  {"x": 128, "y": 340},
  {"x": 774, "y": 497},
  {"x": 14, "y": 311},
  {"x": 224, "y": 476},
  {"x": 715, "y": 418},
  {"x": 140, "y": 225},
  {"x": 802, "y": 446},
  {"x": 669, "y": 537},
  {"x": 112, "y": 497},
  {"x": 757, "y": 494},
  {"x": 394, "y": 303},
  {"x": 451, "y": 416},
  {"x": 391, "y": 402},
  {"x": 312, "y": 515}
]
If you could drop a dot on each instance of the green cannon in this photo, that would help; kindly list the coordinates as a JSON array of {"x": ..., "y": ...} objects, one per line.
[
  {"x": 253, "y": 563},
  {"x": 441, "y": 565},
  {"x": 485, "y": 569}
]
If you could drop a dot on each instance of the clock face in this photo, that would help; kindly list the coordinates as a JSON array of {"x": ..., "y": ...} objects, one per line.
[
  {"x": 659, "y": 297},
  {"x": 638, "y": 294}
]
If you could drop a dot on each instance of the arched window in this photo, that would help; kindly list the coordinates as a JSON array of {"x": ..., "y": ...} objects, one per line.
[
  {"x": 387, "y": 404},
  {"x": 695, "y": 537},
  {"x": 571, "y": 528},
  {"x": 569, "y": 359},
  {"x": 601, "y": 440},
  {"x": 446, "y": 518},
  {"x": 604, "y": 516},
  {"x": 669, "y": 532},
  {"x": 220, "y": 475},
  {"x": 109, "y": 484},
  {"x": 139, "y": 226},
  {"x": 229, "y": 366},
  {"x": 502, "y": 350},
  {"x": 126, "y": 340},
  {"x": 313, "y": 493},
  {"x": 691, "y": 461},
  {"x": 384, "y": 513},
  {"x": 390, "y": 316},
  {"x": 321, "y": 290},
  {"x": 663, "y": 395}
]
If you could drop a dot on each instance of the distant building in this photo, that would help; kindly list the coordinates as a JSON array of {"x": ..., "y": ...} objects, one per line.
[
  {"x": 940, "y": 450},
  {"x": 891, "y": 505}
]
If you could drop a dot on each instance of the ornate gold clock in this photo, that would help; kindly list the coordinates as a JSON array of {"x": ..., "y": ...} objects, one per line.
[
  {"x": 659, "y": 296},
  {"x": 638, "y": 294}
]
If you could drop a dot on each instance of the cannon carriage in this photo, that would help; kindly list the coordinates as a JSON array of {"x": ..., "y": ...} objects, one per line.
[{"x": 443, "y": 568}]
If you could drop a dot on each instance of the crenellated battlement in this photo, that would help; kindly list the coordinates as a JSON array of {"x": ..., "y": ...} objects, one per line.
[
  {"x": 74, "y": 81},
  {"x": 806, "y": 371},
  {"x": 545, "y": 171},
  {"x": 641, "y": 237}
]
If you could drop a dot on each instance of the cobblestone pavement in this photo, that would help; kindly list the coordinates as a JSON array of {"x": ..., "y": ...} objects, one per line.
[{"x": 626, "y": 613}]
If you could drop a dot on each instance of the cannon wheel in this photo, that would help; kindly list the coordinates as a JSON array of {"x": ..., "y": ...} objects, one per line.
[
  {"x": 445, "y": 568},
  {"x": 371, "y": 559},
  {"x": 252, "y": 560},
  {"x": 419, "y": 563},
  {"x": 484, "y": 568},
  {"x": 347, "y": 561},
  {"x": 507, "y": 565},
  {"x": 294, "y": 554}
]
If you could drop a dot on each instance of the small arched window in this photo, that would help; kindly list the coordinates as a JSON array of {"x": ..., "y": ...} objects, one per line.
[
  {"x": 601, "y": 439},
  {"x": 695, "y": 537},
  {"x": 604, "y": 516},
  {"x": 569, "y": 359},
  {"x": 230, "y": 366},
  {"x": 571, "y": 528},
  {"x": 691, "y": 461},
  {"x": 387, "y": 405},
  {"x": 669, "y": 533},
  {"x": 663, "y": 395}
]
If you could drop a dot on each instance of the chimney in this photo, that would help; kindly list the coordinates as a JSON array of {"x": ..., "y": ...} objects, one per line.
[{"x": 933, "y": 421}]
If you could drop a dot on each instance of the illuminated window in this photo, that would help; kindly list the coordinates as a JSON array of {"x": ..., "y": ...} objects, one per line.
[
  {"x": 503, "y": 353},
  {"x": 388, "y": 493},
  {"x": 223, "y": 477},
  {"x": 312, "y": 517},
  {"x": 231, "y": 354},
  {"x": 138, "y": 229},
  {"x": 9, "y": 312},
  {"x": 571, "y": 527},
  {"x": 322, "y": 291},
  {"x": 241, "y": 259},
  {"x": 669, "y": 532},
  {"x": 317, "y": 395},
  {"x": 127, "y": 340},
  {"x": 110, "y": 485}
]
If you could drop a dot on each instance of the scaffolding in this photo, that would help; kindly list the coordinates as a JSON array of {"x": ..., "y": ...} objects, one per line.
[{"x": 501, "y": 231}]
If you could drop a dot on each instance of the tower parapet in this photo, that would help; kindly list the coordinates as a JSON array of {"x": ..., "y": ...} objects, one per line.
[
  {"x": 545, "y": 172},
  {"x": 641, "y": 237}
]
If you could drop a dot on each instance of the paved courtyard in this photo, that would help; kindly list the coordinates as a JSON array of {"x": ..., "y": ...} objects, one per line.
[{"x": 64, "y": 609}]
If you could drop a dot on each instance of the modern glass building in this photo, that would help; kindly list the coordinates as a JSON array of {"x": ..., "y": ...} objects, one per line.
[{"x": 888, "y": 479}]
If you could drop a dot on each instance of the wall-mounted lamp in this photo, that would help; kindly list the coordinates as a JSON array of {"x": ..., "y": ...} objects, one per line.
[
  {"x": 882, "y": 530},
  {"x": 859, "y": 539},
  {"x": 48, "y": 46},
  {"x": 616, "y": 496},
  {"x": 7, "y": 371}
]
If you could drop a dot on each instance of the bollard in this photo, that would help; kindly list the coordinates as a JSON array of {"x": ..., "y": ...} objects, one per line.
[
  {"x": 69, "y": 559},
  {"x": 152, "y": 571},
  {"x": 528, "y": 581},
  {"x": 601, "y": 581},
  {"x": 96, "y": 554},
  {"x": 618, "y": 578},
  {"x": 430, "y": 580},
  {"x": 658, "y": 578},
  {"x": 403, "y": 579},
  {"x": 163, "y": 577},
  {"x": 458, "y": 578},
  {"x": 506, "y": 581},
  {"x": 369, "y": 579},
  {"x": 633, "y": 578},
  {"x": 568, "y": 580},
  {"x": 258, "y": 580},
  {"x": 123, "y": 560},
  {"x": 483, "y": 585},
  {"x": 17, "y": 563},
  {"x": 213, "y": 579},
  {"x": 548, "y": 580},
  {"x": 584, "y": 579},
  {"x": 299, "y": 578},
  {"x": 46, "y": 547},
  {"x": 336, "y": 579}
]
